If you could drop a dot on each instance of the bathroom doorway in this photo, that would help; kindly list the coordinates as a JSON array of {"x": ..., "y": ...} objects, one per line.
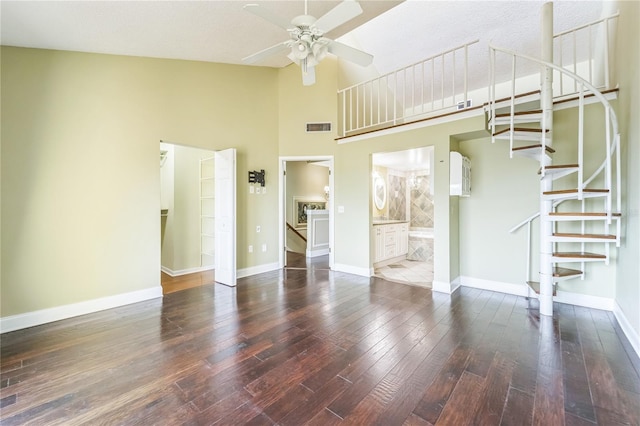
[{"x": 403, "y": 215}]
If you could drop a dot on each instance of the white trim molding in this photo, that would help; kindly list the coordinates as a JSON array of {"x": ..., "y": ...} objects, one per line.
[
  {"x": 180, "y": 272},
  {"x": 445, "y": 287},
  {"x": 43, "y": 316},
  {"x": 569, "y": 298},
  {"x": 355, "y": 270},
  {"x": 585, "y": 300},
  {"x": 502, "y": 287},
  {"x": 317, "y": 253},
  {"x": 259, "y": 269},
  {"x": 627, "y": 328}
]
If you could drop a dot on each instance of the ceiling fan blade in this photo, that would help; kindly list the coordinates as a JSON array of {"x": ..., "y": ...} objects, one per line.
[
  {"x": 350, "y": 54},
  {"x": 309, "y": 77},
  {"x": 263, "y": 54},
  {"x": 337, "y": 16},
  {"x": 267, "y": 15}
]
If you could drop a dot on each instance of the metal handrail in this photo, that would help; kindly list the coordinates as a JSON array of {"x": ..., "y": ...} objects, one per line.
[{"x": 611, "y": 123}]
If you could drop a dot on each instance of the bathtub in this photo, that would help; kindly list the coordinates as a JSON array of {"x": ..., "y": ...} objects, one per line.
[{"x": 420, "y": 244}]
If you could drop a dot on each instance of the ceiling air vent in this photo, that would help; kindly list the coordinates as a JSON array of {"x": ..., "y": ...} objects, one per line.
[{"x": 318, "y": 127}]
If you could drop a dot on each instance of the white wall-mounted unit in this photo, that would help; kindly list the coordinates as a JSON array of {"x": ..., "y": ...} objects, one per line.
[{"x": 459, "y": 175}]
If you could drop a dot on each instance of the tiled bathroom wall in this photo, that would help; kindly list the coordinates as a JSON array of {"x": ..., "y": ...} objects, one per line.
[
  {"x": 396, "y": 196},
  {"x": 421, "y": 204}
]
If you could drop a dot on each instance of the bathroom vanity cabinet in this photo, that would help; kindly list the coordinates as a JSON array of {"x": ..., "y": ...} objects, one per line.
[{"x": 391, "y": 240}]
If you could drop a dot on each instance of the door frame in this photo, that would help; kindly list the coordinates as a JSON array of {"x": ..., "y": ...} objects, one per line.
[
  {"x": 226, "y": 269},
  {"x": 282, "y": 214}
]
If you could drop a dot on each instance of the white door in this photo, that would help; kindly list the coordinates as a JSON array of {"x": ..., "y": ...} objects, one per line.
[{"x": 225, "y": 217}]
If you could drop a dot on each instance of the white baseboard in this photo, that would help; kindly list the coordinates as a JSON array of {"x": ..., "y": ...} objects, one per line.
[
  {"x": 445, "y": 287},
  {"x": 317, "y": 252},
  {"x": 179, "y": 272},
  {"x": 502, "y": 287},
  {"x": 43, "y": 316},
  {"x": 355, "y": 270},
  {"x": 585, "y": 300},
  {"x": 569, "y": 298},
  {"x": 627, "y": 328},
  {"x": 259, "y": 269}
]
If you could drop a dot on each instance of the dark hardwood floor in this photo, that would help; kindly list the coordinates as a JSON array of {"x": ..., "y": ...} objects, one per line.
[
  {"x": 318, "y": 347},
  {"x": 300, "y": 261},
  {"x": 182, "y": 282}
]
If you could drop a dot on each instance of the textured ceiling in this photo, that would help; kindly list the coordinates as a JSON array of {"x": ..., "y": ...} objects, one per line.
[
  {"x": 212, "y": 31},
  {"x": 221, "y": 31}
]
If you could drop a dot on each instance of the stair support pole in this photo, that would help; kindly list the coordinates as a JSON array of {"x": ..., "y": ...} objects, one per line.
[{"x": 546, "y": 184}]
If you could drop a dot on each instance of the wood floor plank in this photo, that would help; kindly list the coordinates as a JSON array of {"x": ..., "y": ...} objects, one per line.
[
  {"x": 577, "y": 398},
  {"x": 494, "y": 393},
  {"x": 548, "y": 408},
  {"x": 518, "y": 409},
  {"x": 321, "y": 347},
  {"x": 414, "y": 420},
  {"x": 434, "y": 399},
  {"x": 460, "y": 408},
  {"x": 324, "y": 418},
  {"x": 316, "y": 402},
  {"x": 409, "y": 392}
]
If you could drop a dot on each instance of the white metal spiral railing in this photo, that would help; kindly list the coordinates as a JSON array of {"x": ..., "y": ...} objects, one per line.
[
  {"x": 612, "y": 136},
  {"x": 611, "y": 148}
]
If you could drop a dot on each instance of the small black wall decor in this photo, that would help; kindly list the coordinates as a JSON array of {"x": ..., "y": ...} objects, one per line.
[{"x": 257, "y": 177}]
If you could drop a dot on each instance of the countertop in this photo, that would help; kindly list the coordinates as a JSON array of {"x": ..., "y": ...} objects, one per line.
[{"x": 388, "y": 222}]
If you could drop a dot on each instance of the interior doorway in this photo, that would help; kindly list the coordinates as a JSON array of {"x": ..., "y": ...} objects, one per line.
[
  {"x": 306, "y": 212},
  {"x": 403, "y": 216},
  {"x": 187, "y": 216}
]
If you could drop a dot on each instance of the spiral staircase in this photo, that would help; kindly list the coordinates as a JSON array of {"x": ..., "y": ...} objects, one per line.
[{"x": 580, "y": 203}]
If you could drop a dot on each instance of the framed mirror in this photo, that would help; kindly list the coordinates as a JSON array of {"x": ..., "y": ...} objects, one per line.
[{"x": 379, "y": 192}]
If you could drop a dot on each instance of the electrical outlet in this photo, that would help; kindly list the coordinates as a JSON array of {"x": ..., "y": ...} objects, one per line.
[
  {"x": 264, "y": 190},
  {"x": 250, "y": 249},
  {"x": 264, "y": 247},
  {"x": 258, "y": 228}
]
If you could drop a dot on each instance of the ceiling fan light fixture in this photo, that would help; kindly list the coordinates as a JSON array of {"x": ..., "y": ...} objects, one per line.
[
  {"x": 299, "y": 51},
  {"x": 307, "y": 43},
  {"x": 319, "y": 50}
]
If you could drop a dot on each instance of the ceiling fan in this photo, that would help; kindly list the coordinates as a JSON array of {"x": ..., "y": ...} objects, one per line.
[{"x": 307, "y": 43}]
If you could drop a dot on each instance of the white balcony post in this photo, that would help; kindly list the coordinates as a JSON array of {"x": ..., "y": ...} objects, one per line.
[{"x": 546, "y": 206}]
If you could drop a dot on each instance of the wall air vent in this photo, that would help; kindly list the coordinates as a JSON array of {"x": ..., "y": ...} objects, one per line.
[
  {"x": 461, "y": 105},
  {"x": 318, "y": 127}
]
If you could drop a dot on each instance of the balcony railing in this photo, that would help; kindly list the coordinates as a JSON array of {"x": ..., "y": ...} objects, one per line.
[
  {"x": 440, "y": 84},
  {"x": 432, "y": 85},
  {"x": 586, "y": 51}
]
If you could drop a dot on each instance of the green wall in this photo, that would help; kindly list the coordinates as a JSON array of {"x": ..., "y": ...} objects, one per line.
[
  {"x": 80, "y": 172},
  {"x": 628, "y": 63}
]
